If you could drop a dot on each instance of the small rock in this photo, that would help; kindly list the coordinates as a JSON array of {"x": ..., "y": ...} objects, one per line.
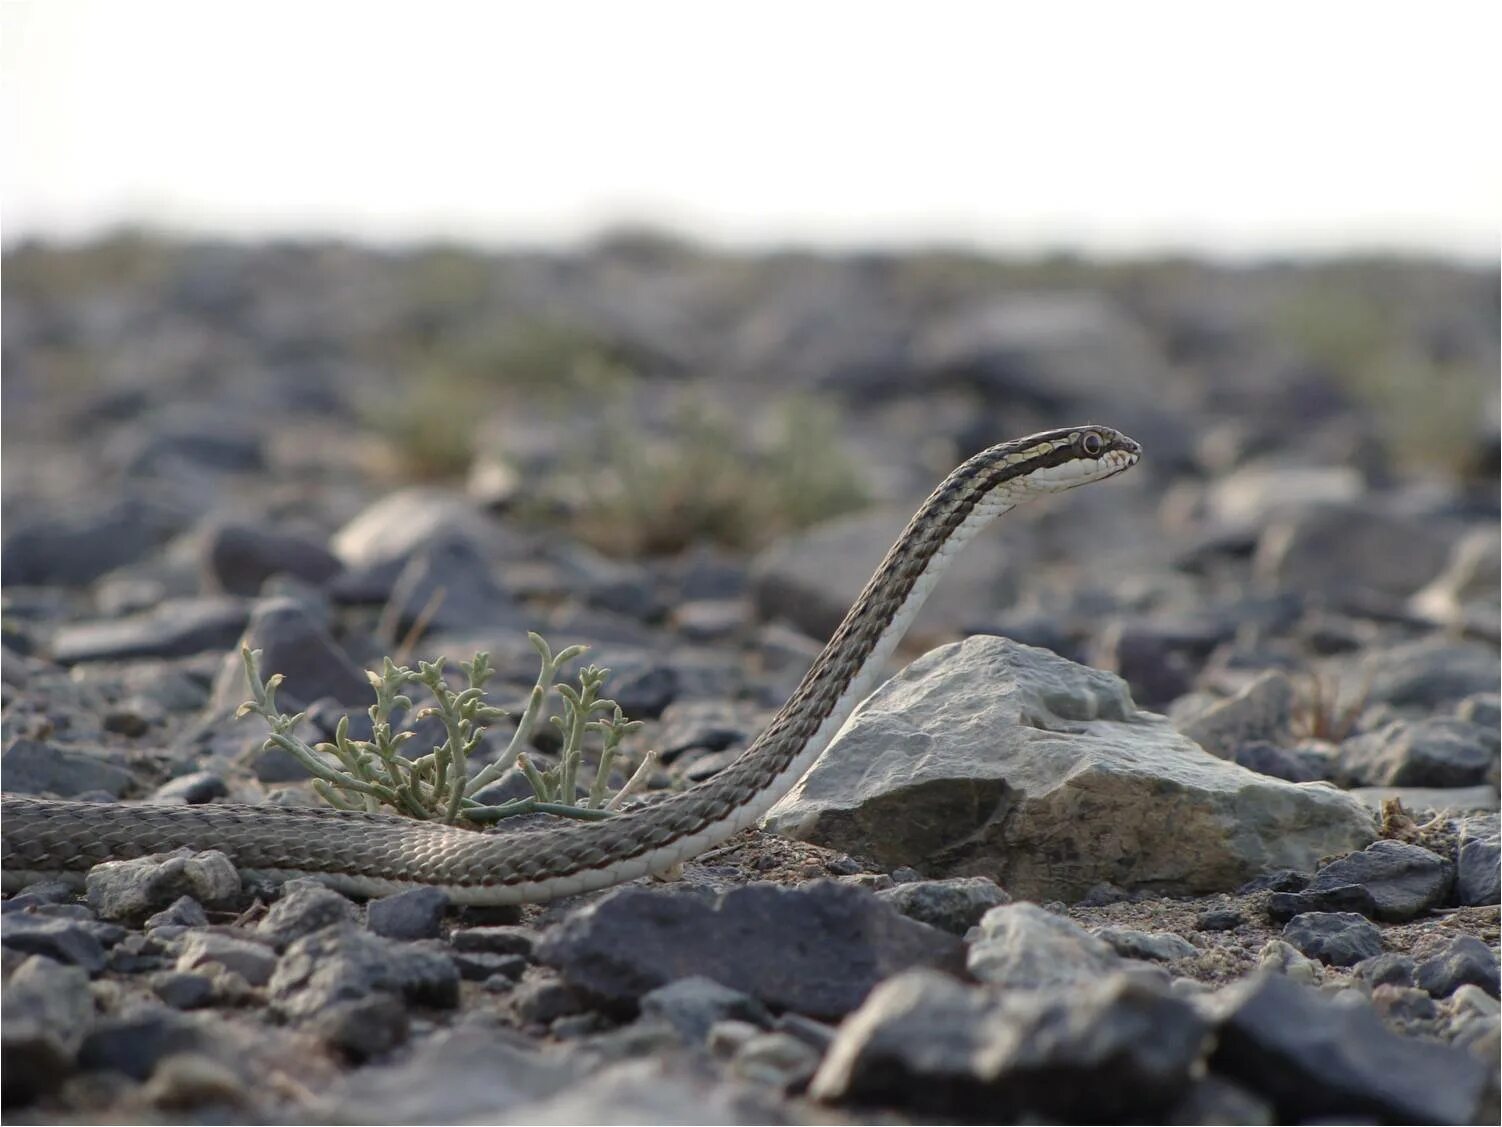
[
  {"x": 173, "y": 628},
  {"x": 1023, "y": 947},
  {"x": 447, "y": 585},
  {"x": 341, "y": 963},
  {"x": 47, "y": 1013},
  {"x": 1219, "y": 919},
  {"x": 498, "y": 939},
  {"x": 182, "y": 912},
  {"x": 1386, "y": 969},
  {"x": 34, "y": 767},
  {"x": 1403, "y": 1006},
  {"x": 936, "y": 1047},
  {"x": 293, "y": 644},
  {"x": 254, "y": 962},
  {"x": 1161, "y": 946},
  {"x": 1158, "y": 660},
  {"x": 1283, "y": 906},
  {"x": 1317, "y": 1059},
  {"x": 305, "y": 906},
  {"x": 129, "y": 891},
  {"x": 1402, "y": 880},
  {"x": 1465, "y": 959},
  {"x": 416, "y": 913},
  {"x": 191, "y": 790},
  {"x": 1478, "y": 870},
  {"x": 362, "y": 1027},
  {"x": 1340, "y": 939},
  {"x": 1263, "y": 711},
  {"x": 73, "y": 550},
  {"x": 541, "y": 1000},
  {"x": 776, "y": 1060},
  {"x": 955, "y": 904},
  {"x": 76, "y": 942},
  {"x": 237, "y": 558},
  {"x": 1429, "y": 674},
  {"x": 1434, "y": 752},
  {"x": 183, "y": 990},
  {"x": 1279, "y": 880},
  {"x": 817, "y": 949},
  {"x": 1284, "y": 959},
  {"x": 691, "y": 1005},
  {"x": 192, "y": 1080},
  {"x": 1350, "y": 551},
  {"x": 135, "y": 1043}
]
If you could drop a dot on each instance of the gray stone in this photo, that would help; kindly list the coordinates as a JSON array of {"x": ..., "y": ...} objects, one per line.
[
  {"x": 1161, "y": 946},
  {"x": 996, "y": 759},
  {"x": 1319, "y": 1059},
  {"x": 543, "y": 999},
  {"x": 1350, "y": 551},
  {"x": 1341, "y": 939},
  {"x": 254, "y": 962},
  {"x": 183, "y": 990},
  {"x": 376, "y": 544},
  {"x": 34, "y": 767},
  {"x": 76, "y": 942},
  {"x": 1428, "y": 674},
  {"x": 498, "y": 939},
  {"x": 817, "y": 949},
  {"x": 414, "y": 914},
  {"x": 343, "y": 963},
  {"x": 137, "y": 1042},
  {"x": 1219, "y": 919},
  {"x": 304, "y": 907},
  {"x": 1263, "y": 711},
  {"x": 691, "y": 1005},
  {"x": 1284, "y": 959},
  {"x": 361, "y": 1028},
  {"x": 1402, "y": 880},
  {"x": 1159, "y": 660},
  {"x": 173, "y": 628},
  {"x": 47, "y": 1012},
  {"x": 1464, "y": 960},
  {"x": 76, "y": 549},
  {"x": 237, "y": 558},
  {"x": 182, "y": 912},
  {"x": 776, "y": 1060},
  {"x": 447, "y": 585},
  {"x": 936, "y": 1047},
  {"x": 1301, "y": 763},
  {"x": 1024, "y": 947},
  {"x": 1465, "y": 594},
  {"x": 1283, "y": 906},
  {"x": 191, "y": 790},
  {"x": 1484, "y": 709},
  {"x": 1477, "y": 862},
  {"x": 129, "y": 891},
  {"x": 1434, "y": 752},
  {"x": 1386, "y": 969},
  {"x": 296, "y": 646},
  {"x": 954, "y": 905}
]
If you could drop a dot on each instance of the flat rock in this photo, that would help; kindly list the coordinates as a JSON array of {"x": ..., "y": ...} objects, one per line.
[
  {"x": 237, "y": 558},
  {"x": 35, "y": 767},
  {"x": 173, "y": 628},
  {"x": 1437, "y": 751},
  {"x": 1341, "y": 939},
  {"x": 928, "y": 1043},
  {"x": 1402, "y": 880},
  {"x": 991, "y": 758},
  {"x": 76, "y": 549},
  {"x": 1318, "y": 1059},
  {"x": 816, "y": 950},
  {"x": 1465, "y": 959}
]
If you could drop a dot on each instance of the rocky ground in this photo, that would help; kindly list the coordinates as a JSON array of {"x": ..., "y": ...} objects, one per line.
[{"x": 1181, "y": 804}]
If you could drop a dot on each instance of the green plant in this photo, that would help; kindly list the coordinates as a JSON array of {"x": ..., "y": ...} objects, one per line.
[{"x": 352, "y": 774}]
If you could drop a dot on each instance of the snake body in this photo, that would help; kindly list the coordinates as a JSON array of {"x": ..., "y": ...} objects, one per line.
[{"x": 373, "y": 854}]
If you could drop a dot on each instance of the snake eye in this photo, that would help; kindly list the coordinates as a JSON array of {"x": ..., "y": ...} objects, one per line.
[{"x": 1092, "y": 443}]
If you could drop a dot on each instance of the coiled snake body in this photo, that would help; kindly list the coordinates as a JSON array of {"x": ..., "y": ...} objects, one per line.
[{"x": 373, "y": 854}]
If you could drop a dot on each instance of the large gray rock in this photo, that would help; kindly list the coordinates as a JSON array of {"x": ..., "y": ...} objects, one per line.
[{"x": 996, "y": 759}]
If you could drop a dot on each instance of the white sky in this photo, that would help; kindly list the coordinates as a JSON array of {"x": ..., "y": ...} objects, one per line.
[{"x": 1110, "y": 126}]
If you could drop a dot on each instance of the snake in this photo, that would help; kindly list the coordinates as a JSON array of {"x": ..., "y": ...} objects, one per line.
[{"x": 368, "y": 854}]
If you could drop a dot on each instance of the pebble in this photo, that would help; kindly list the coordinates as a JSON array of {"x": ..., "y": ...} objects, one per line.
[
  {"x": 416, "y": 913},
  {"x": 954, "y": 904},
  {"x": 130, "y": 891},
  {"x": 1340, "y": 939},
  {"x": 1465, "y": 960}
]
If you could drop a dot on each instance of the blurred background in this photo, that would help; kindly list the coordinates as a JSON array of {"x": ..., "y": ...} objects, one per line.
[{"x": 674, "y": 311}]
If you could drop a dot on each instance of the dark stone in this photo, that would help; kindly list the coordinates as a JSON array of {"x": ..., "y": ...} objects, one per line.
[
  {"x": 305, "y": 907},
  {"x": 33, "y": 767},
  {"x": 937, "y": 1048},
  {"x": 183, "y": 990},
  {"x": 1296, "y": 764},
  {"x": 79, "y": 943},
  {"x": 543, "y": 1000},
  {"x": 296, "y": 646},
  {"x": 447, "y": 585},
  {"x": 816, "y": 950},
  {"x": 1403, "y": 1006},
  {"x": 1219, "y": 919},
  {"x": 238, "y": 558},
  {"x": 75, "y": 550},
  {"x": 1478, "y": 868},
  {"x": 414, "y": 914},
  {"x": 1402, "y": 880},
  {"x": 47, "y": 1011},
  {"x": 692, "y": 1005},
  {"x": 338, "y": 964},
  {"x": 252, "y": 961},
  {"x": 1434, "y": 752},
  {"x": 1317, "y": 1059},
  {"x": 955, "y": 904},
  {"x": 173, "y": 628},
  {"x": 1341, "y": 939},
  {"x": 1280, "y": 880},
  {"x": 135, "y": 1043},
  {"x": 192, "y": 790},
  {"x": 645, "y": 689},
  {"x": 1160, "y": 661},
  {"x": 1386, "y": 969},
  {"x": 1429, "y": 674},
  {"x": 499, "y": 939},
  {"x": 1464, "y": 959},
  {"x": 702, "y": 724},
  {"x": 1283, "y": 906},
  {"x": 363, "y": 1027}
]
